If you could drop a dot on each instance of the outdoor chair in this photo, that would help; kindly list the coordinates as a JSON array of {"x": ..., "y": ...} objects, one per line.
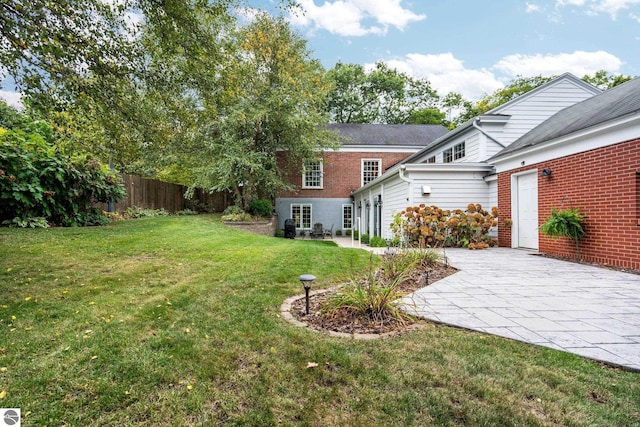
[
  {"x": 328, "y": 232},
  {"x": 317, "y": 230}
]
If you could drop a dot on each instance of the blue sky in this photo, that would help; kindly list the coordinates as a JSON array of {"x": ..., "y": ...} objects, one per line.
[
  {"x": 474, "y": 47},
  {"x": 471, "y": 47}
]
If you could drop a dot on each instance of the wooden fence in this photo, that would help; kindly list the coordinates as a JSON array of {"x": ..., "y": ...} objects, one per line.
[{"x": 153, "y": 194}]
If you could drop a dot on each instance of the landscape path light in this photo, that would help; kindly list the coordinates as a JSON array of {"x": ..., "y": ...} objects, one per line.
[{"x": 306, "y": 280}]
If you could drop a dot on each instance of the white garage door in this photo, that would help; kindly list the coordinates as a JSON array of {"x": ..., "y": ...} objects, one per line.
[{"x": 527, "y": 211}]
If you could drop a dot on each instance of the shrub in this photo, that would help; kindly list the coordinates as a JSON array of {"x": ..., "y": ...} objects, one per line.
[
  {"x": 261, "y": 207},
  {"x": 377, "y": 242},
  {"x": 364, "y": 238},
  {"x": 233, "y": 210},
  {"x": 338, "y": 232},
  {"x": 279, "y": 232},
  {"x": 138, "y": 212},
  {"x": 430, "y": 226},
  {"x": 356, "y": 234},
  {"x": 37, "y": 181}
]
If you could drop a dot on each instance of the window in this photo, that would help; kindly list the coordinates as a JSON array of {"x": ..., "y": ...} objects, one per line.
[
  {"x": 312, "y": 174},
  {"x": 370, "y": 170},
  {"x": 431, "y": 159},
  {"x": 301, "y": 213},
  {"x": 347, "y": 217},
  {"x": 447, "y": 155},
  {"x": 458, "y": 151}
]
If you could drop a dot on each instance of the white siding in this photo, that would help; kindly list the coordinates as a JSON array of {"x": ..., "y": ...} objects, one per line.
[
  {"x": 449, "y": 190},
  {"x": 396, "y": 198},
  {"x": 539, "y": 106}
]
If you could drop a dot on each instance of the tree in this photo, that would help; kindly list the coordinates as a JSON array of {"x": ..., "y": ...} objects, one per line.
[
  {"x": 269, "y": 99},
  {"x": 604, "y": 80},
  {"x": 384, "y": 95},
  {"x": 48, "y": 45}
]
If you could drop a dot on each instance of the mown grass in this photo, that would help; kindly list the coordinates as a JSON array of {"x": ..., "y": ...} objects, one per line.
[{"x": 175, "y": 321}]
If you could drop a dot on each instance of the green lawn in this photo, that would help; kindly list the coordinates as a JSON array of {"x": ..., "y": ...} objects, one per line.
[{"x": 175, "y": 321}]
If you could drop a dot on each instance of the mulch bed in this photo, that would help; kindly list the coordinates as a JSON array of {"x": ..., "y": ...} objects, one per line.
[{"x": 350, "y": 322}]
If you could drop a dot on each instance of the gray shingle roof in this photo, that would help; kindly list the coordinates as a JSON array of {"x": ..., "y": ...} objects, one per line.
[
  {"x": 611, "y": 104},
  {"x": 387, "y": 135}
]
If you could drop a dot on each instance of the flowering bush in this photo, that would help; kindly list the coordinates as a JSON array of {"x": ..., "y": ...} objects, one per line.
[{"x": 431, "y": 226}]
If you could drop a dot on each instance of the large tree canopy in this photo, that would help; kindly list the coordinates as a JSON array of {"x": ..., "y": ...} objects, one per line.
[{"x": 382, "y": 95}]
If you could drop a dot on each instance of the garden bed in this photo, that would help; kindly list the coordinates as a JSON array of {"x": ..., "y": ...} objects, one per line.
[{"x": 351, "y": 322}]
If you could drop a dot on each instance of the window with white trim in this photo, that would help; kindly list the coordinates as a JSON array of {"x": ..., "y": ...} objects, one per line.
[
  {"x": 459, "y": 151},
  {"x": 312, "y": 174},
  {"x": 347, "y": 217},
  {"x": 431, "y": 159},
  {"x": 301, "y": 214},
  {"x": 447, "y": 155},
  {"x": 371, "y": 169}
]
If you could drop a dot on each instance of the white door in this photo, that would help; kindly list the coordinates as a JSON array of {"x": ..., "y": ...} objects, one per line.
[{"x": 527, "y": 209}]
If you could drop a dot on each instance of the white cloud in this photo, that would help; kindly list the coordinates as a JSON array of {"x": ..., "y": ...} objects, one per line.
[
  {"x": 12, "y": 98},
  {"x": 345, "y": 17},
  {"x": 578, "y": 63},
  {"x": 532, "y": 7},
  {"x": 447, "y": 74},
  {"x": 596, "y": 7}
]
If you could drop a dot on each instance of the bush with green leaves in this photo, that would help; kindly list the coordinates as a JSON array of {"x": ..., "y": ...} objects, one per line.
[
  {"x": 138, "y": 212},
  {"x": 261, "y": 207},
  {"x": 37, "y": 181},
  {"x": 377, "y": 242},
  {"x": 364, "y": 238}
]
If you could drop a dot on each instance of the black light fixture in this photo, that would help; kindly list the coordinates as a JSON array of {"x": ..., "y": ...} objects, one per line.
[
  {"x": 306, "y": 280},
  {"x": 546, "y": 172}
]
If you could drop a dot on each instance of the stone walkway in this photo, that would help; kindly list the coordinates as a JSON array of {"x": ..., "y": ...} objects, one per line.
[{"x": 586, "y": 310}]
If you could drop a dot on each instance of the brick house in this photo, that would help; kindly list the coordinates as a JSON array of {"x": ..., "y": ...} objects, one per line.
[
  {"x": 453, "y": 170},
  {"x": 325, "y": 187},
  {"x": 586, "y": 156}
]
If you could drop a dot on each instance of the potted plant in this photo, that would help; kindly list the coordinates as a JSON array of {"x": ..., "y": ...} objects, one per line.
[{"x": 565, "y": 223}]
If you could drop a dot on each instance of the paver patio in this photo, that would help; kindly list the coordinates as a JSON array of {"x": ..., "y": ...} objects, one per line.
[{"x": 590, "y": 311}]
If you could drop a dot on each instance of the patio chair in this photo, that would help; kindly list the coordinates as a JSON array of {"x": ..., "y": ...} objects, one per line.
[
  {"x": 317, "y": 230},
  {"x": 328, "y": 232}
]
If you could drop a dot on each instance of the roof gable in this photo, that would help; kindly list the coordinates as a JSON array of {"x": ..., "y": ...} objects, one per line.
[
  {"x": 563, "y": 79},
  {"x": 615, "y": 103}
]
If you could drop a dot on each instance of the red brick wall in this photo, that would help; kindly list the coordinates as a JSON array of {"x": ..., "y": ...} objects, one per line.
[
  {"x": 342, "y": 174},
  {"x": 604, "y": 183}
]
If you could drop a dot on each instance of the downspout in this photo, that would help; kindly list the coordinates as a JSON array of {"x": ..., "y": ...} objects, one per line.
[
  {"x": 482, "y": 131},
  {"x": 408, "y": 181}
]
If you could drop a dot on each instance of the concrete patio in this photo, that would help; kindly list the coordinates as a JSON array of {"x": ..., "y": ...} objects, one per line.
[{"x": 590, "y": 311}]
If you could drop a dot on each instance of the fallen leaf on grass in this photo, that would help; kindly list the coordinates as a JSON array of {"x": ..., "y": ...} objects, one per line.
[
  {"x": 3, "y": 394},
  {"x": 312, "y": 365}
]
